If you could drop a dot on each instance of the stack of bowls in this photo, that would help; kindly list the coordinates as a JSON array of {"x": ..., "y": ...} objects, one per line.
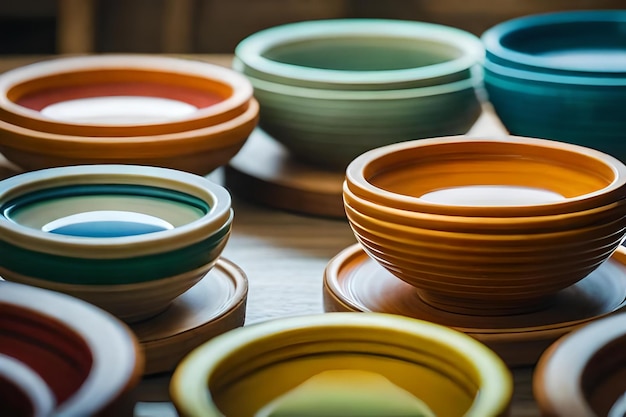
[
  {"x": 561, "y": 76},
  {"x": 144, "y": 110},
  {"x": 451, "y": 373},
  {"x": 330, "y": 90},
  {"x": 129, "y": 239},
  {"x": 488, "y": 227},
  {"x": 60, "y": 356}
]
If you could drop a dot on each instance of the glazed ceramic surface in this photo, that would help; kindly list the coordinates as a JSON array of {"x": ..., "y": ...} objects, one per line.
[
  {"x": 198, "y": 151},
  {"x": 481, "y": 177},
  {"x": 54, "y": 334},
  {"x": 443, "y": 368},
  {"x": 310, "y": 121},
  {"x": 23, "y": 393},
  {"x": 362, "y": 54},
  {"x": 582, "y": 374},
  {"x": 121, "y": 95},
  {"x": 355, "y": 282},
  {"x": 588, "y": 42}
]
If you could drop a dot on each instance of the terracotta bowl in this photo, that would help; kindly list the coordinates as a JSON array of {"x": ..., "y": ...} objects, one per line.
[
  {"x": 99, "y": 231},
  {"x": 582, "y": 374},
  {"x": 309, "y": 121},
  {"x": 48, "y": 335},
  {"x": 22, "y": 391},
  {"x": 121, "y": 95},
  {"x": 487, "y": 251},
  {"x": 443, "y": 368},
  {"x": 199, "y": 151},
  {"x": 359, "y": 54}
]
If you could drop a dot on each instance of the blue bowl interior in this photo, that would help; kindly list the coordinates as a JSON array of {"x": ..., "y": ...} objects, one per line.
[
  {"x": 586, "y": 42},
  {"x": 104, "y": 210}
]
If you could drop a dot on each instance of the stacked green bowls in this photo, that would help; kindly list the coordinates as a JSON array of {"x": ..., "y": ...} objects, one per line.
[
  {"x": 561, "y": 76},
  {"x": 332, "y": 89},
  {"x": 129, "y": 239}
]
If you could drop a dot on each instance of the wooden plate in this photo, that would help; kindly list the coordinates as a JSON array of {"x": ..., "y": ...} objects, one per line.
[
  {"x": 354, "y": 282},
  {"x": 264, "y": 172},
  {"x": 216, "y": 304}
]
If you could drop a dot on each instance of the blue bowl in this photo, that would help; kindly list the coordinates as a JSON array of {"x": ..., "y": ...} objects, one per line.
[
  {"x": 583, "y": 43},
  {"x": 583, "y": 110}
]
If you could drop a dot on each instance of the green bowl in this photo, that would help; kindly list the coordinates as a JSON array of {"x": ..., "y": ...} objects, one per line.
[
  {"x": 332, "y": 127},
  {"x": 359, "y": 54},
  {"x": 110, "y": 224}
]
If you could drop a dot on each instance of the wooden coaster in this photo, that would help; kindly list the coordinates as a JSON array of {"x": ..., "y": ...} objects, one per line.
[
  {"x": 264, "y": 172},
  {"x": 355, "y": 282},
  {"x": 216, "y": 304}
]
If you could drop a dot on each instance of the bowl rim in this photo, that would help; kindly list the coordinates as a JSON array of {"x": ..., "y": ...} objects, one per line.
[
  {"x": 505, "y": 225},
  {"x": 473, "y": 82},
  {"x": 188, "y": 384},
  {"x": 361, "y": 186},
  {"x": 126, "y": 147},
  {"x": 534, "y": 77},
  {"x": 214, "y": 195},
  {"x": 251, "y": 49},
  {"x": 29, "y": 383},
  {"x": 492, "y": 39},
  {"x": 111, "y": 373},
  {"x": 557, "y": 378},
  {"x": 234, "y": 104}
]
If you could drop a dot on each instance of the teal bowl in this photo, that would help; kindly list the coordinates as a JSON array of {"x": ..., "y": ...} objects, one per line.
[
  {"x": 331, "y": 127},
  {"x": 359, "y": 54},
  {"x": 583, "y": 110},
  {"x": 583, "y": 43},
  {"x": 93, "y": 231}
]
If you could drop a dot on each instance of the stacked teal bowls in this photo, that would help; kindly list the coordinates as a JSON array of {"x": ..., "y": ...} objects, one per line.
[
  {"x": 332, "y": 89},
  {"x": 561, "y": 76},
  {"x": 129, "y": 239}
]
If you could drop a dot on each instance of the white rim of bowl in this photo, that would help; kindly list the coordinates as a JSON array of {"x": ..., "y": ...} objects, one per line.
[
  {"x": 250, "y": 50},
  {"x": 360, "y": 185},
  {"x": 473, "y": 82},
  {"x": 105, "y": 336},
  {"x": 557, "y": 382},
  {"x": 189, "y": 382},
  {"x": 241, "y": 87},
  {"x": 30, "y": 383},
  {"x": 215, "y": 196}
]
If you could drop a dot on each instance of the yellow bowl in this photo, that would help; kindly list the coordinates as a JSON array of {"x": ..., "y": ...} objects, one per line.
[{"x": 240, "y": 372}]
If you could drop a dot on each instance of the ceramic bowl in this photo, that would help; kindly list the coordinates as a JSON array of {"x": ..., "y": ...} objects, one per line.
[
  {"x": 587, "y": 43},
  {"x": 121, "y": 95},
  {"x": 47, "y": 334},
  {"x": 582, "y": 373},
  {"x": 359, "y": 54},
  {"x": 487, "y": 226},
  {"x": 199, "y": 151},
  {"x": 309, "y": 121},
  {"x": 579, "y": 109},
  {"x": 23, "y": 393},
  {"x": 442, "y": 367},
  {"x": 102, "y": 230},
  {"x": 560, "y": 76}
]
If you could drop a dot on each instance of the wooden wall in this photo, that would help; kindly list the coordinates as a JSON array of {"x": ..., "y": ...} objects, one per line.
[{"x": 216, "y": 26}]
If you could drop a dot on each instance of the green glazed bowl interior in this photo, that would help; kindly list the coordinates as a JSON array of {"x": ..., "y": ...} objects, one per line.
[
  {"x": 450, "y": 372},
  {"x": 359, "y": 53}
]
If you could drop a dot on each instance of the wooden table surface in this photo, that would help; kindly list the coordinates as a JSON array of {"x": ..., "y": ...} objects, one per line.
[{"x": 284, "y": 255}]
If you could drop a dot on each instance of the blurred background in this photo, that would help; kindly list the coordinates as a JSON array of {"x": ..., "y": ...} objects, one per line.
[{"x": 30, "y": 27}]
